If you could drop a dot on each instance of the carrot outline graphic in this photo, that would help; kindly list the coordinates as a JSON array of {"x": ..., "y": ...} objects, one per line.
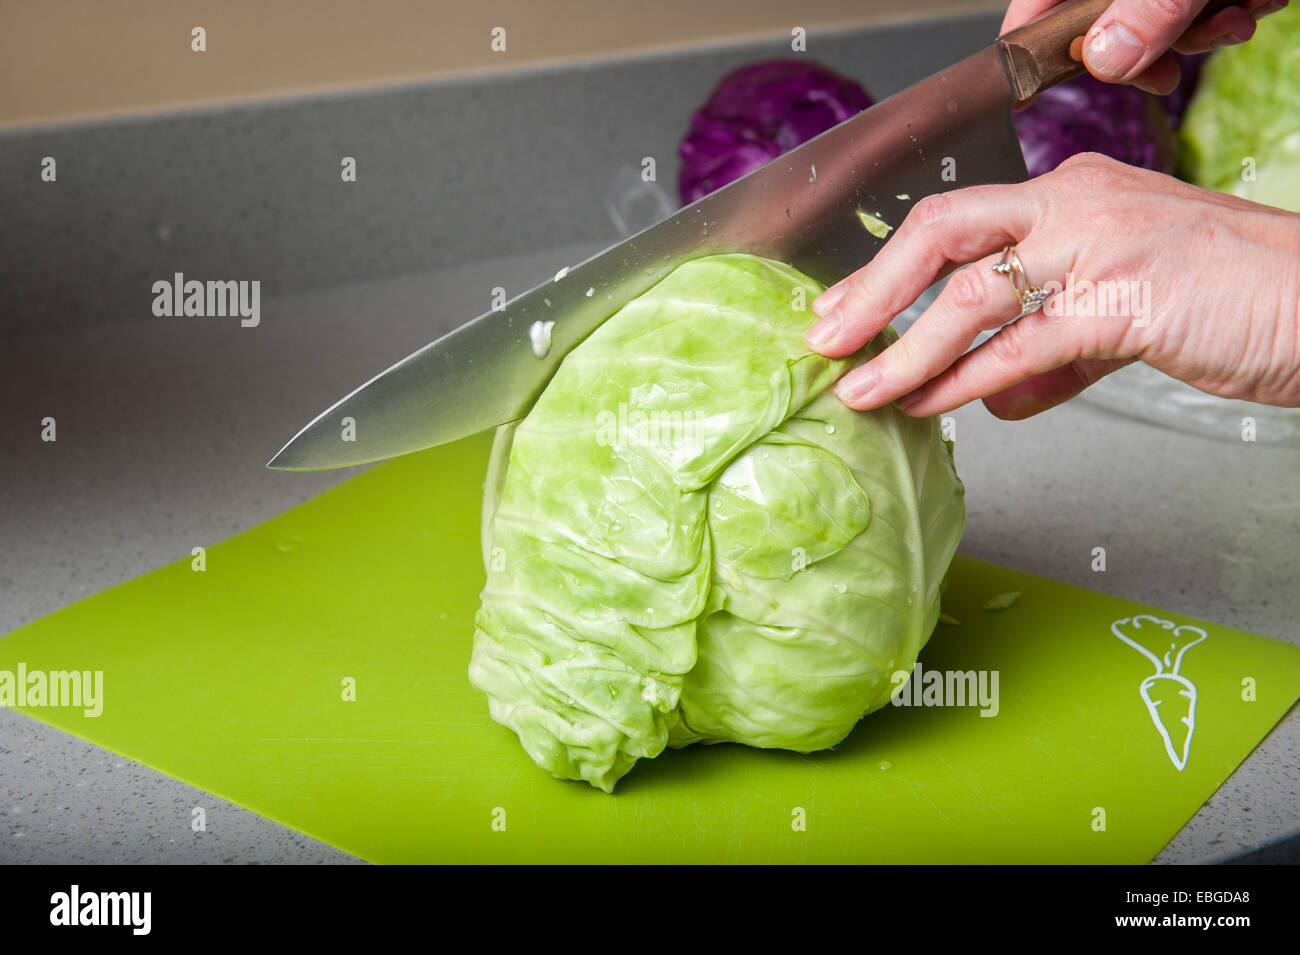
[{"x": 1186, "y": 688}]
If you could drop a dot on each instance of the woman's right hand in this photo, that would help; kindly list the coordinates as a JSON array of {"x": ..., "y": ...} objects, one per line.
[{"x": 1129, "y": 43}]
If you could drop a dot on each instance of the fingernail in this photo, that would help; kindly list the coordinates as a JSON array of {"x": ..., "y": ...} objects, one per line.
[
  {"x": 823, "y": 303},
  {"x": 1228, "y": 39},
  {"x": 858, "y": 383},
  {"x": 1114, "y": 51},
  {"x": 825, "y": 331},
  {"x": 907, "y": 400}
]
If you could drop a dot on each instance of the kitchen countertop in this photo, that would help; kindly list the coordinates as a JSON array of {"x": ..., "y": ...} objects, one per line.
[{"x": 164, "y": 425}]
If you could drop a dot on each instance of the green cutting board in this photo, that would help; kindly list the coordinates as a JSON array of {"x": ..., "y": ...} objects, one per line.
[{"x": 239, "y": 679}]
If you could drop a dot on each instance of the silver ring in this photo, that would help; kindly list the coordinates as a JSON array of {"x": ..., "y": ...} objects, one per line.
[{"x": 1030, "y": 297}]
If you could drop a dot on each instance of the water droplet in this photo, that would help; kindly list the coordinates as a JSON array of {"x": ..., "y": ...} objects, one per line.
[
  {"x": 830, "y": 429},
  {"x": 884, "y": 765},
  {"x": 591, "y": 291},
  {"x": 540, "y": 335},
  {"x": 562, "y": 273},
  {"x": 841, "y": 589},
  {"x": 287, "y": 546}
]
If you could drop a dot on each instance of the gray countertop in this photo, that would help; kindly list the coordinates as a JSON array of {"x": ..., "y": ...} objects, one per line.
[{"x": 164, "y": 427}]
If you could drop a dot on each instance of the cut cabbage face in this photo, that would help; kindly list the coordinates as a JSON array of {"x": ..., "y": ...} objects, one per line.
[{"x": 690, "y": 539}]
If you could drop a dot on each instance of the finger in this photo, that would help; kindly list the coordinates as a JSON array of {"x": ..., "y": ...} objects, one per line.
[
  {"x": 1229, "y": 26},
  {"x": 975, "y": 299},
  {"x": 941, "y": 232},
  {"x": 1160, "y": 77},
  {"x": 1033, "y": 345},
  {"x": 1132, "y": 34},
  {"x": 1020, "y": 12},
  {"x": 1049, "y": 389}
]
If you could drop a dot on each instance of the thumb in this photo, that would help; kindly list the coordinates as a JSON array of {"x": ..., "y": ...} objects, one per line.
[{"x": 1132, "y": 34}]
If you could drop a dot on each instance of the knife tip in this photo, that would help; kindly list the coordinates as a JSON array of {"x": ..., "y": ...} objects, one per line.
[
  {"x": 280, "y": 461},
  {"x": 300, "y": 459}
]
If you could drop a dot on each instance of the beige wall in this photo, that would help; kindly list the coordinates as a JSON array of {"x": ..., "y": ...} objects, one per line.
[{"x": 74, "y": 59}]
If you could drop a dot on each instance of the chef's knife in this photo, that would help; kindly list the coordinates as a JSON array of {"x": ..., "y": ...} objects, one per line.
[{"x": 824, "y": 207}]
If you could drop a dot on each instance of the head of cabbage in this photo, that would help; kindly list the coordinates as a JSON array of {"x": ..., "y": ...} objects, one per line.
[
  {"x": 1241, "y": 134},
  {"x": 690, "y": 539}
]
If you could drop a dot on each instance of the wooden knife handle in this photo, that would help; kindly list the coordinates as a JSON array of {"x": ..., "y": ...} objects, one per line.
[{"x": 1038, "y": 54}]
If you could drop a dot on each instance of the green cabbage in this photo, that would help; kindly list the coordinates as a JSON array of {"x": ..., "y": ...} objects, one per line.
[
  {"x": 690, "y": 539},
  {"x": 1241, "y": 134}
]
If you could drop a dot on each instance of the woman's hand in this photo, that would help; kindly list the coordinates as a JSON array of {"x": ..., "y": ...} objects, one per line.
[
  {"x": 1129, "y": 42},
  {"x": 1203, "y": 286}
]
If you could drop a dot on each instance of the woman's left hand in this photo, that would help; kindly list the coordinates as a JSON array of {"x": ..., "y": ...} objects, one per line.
[{"x": 1201, "y": 285}]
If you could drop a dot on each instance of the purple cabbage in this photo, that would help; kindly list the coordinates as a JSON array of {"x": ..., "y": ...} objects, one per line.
[
  {"x": 758, "y": 112},
  {"x": 1086, "y": 115}
]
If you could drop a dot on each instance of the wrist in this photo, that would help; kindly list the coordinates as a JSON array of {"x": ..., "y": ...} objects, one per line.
[
  {"x": 1294, "y": 311},
  {"x": 1287, "y": 328}
]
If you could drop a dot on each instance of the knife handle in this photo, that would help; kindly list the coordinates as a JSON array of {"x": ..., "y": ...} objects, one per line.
[{"x": 1038, "y": 54}]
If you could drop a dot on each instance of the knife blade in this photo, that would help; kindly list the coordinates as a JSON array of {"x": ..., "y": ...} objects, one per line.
[{"x": 817, "y": 207}]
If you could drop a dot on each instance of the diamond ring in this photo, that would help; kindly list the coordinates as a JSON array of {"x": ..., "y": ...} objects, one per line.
[{"x": 1031, "y": 297}]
